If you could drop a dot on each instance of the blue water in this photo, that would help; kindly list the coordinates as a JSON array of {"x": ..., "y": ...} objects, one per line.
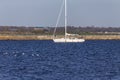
[{"x": 46, "y": 60}]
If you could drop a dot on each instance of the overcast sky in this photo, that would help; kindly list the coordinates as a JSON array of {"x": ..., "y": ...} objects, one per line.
[{"x": 44, "y": 12}]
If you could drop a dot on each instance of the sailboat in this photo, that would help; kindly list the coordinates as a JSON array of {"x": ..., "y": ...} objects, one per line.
[{"x": 66, "y": 38}]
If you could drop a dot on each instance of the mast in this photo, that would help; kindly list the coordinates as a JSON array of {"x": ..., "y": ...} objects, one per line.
[{"x": 65, "y": 19}]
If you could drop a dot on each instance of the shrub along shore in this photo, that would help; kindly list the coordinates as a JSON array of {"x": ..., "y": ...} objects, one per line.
[
  {"x": 45, "y": 33},
  {"x": 49, "y": 37}
]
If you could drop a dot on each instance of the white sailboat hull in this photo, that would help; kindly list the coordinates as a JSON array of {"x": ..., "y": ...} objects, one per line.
[{"x": 62, "y": 40}]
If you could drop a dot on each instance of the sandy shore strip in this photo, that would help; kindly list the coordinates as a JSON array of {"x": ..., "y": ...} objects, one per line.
[{"x": 49, "y": 37}]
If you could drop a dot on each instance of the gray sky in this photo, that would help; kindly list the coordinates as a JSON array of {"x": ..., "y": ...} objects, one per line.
[{"x": 45, "y": 12}]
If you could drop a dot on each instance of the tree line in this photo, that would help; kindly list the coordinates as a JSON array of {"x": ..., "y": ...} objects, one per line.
[{"x": 22, "y": 30}]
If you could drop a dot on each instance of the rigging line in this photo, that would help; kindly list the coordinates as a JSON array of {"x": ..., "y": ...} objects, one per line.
[{"x": 58, "y": 19}]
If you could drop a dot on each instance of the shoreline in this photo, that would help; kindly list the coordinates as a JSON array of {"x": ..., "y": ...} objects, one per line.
[{"x": 49, "y": 37}]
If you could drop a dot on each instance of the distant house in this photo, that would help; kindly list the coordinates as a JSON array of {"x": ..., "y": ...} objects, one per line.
[{"x": 38, "y": 28}]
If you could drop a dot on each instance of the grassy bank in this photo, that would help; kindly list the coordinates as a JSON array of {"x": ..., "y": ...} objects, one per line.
[
  {"x": 24, "y": 37},
  {"x": 49, "y": 37},
  {"x": 102, "y": 37}
]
